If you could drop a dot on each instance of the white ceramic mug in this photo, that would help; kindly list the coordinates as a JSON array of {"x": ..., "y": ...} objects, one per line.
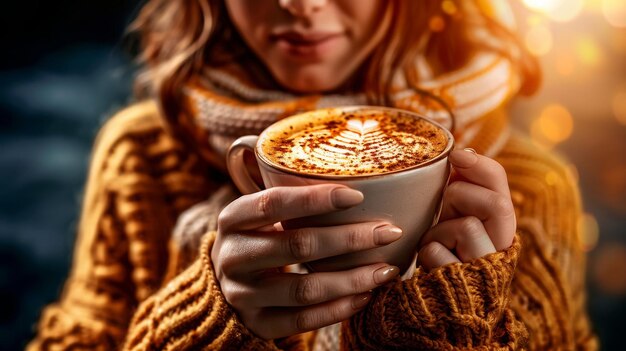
[{"x": 409, "y": 198}]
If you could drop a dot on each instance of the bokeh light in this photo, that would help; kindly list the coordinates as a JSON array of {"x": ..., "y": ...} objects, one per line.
[
  {"x": 588, "y": 231},
  {"x": 552, "y": 178},
  {"x": 588, "y": 51},
  {"x": 557, "y": 10},
  {"x": 554, "y": 125},
  {"x": 615, "y": 12},
  {"x": 538, "y": 40},
  {"x": 534, "y": 19},
  {"x": 619, "y": 105},
  {"x": 449, "y": 7},
  {"x": 436, "y": 24},
  {"x": 608, "y": 269}
]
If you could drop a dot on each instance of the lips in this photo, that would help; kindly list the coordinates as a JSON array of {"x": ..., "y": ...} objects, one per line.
[
  {"x": 306, "y": 44},
  {"x": 309, "y": 38}
]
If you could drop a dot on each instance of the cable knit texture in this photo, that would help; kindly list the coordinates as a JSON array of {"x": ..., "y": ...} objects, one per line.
[
  {"x": 456, "y": 306},
  {"x": 127, "y": 263},
  {"x": 142, "y": 278}
]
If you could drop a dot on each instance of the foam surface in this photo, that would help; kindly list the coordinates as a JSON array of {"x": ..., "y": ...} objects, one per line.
[{"x": 359, "y": 143}]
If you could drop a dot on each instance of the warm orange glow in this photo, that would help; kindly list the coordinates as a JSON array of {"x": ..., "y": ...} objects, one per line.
[
  {"x": 588, "y": 51},
  {"x": 539, "y": 40},
  {"x": 449, "y": 7},
  {"x": 574, "y": 172},
  {"x": 541, "y": 5},
  {"x": 588, "y": 231},
  {"x": 615, "y": 12},
  {"x": 552, "y": 178},
  {"x": 436, "y": 24},
  {"x": 618, "y": 41},
  {"x": 557, "y": 10},
  {"x": 554, "y": 125},
  {"x": 534, "y": 20},
  {"x": 595, "y": 5},
  {"x": 619, "y": 105},
  {"x": 564, "y": 64}
]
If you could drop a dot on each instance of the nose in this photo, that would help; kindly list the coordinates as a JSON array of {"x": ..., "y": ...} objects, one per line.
[{"x": 302, "y": 8}]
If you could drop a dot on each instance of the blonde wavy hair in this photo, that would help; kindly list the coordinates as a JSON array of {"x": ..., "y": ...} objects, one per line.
[{"x": 178, "y": 37}]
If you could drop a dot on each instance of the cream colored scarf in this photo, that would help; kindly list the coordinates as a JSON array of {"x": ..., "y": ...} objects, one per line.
[{"x": 227, "y": 107}]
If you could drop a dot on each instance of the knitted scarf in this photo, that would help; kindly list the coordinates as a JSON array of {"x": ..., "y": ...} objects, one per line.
[{"x": 228, "y": 105}]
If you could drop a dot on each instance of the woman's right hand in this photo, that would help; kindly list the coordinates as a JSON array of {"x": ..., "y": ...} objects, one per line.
[{"x": 251, "y": 248}]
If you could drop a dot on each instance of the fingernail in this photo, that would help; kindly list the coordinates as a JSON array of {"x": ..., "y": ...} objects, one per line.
[
  {"x": 361, "y": 300},
  {"x": 464, "y": 158},
  {"x": 345, "y": 197},
  {"x": 386, "y": 234},
  {"x": 385, "y": 274}
]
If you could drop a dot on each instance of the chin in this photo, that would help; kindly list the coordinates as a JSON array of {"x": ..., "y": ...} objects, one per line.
[{"x": 309, "y": 82}]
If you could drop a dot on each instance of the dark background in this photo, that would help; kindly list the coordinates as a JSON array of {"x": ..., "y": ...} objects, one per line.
[{"x": 64, "y": 69}]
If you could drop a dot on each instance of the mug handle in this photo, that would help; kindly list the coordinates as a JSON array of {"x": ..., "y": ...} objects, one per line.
[{"x": 237, "y": 167}]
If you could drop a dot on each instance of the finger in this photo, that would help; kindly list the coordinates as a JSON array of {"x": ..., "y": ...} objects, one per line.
[
  {"x": 480, "y": 170},
  {"x": 434, "y": 255},
  {"x": 290, "y": 289},
  {"x": 466, "y": 236},
  {"x": 284, "y": 321},
  {"x": 493, "y": 209},
  {"x": 277, "y": 249},
  {"x": 281, "y": 203}
]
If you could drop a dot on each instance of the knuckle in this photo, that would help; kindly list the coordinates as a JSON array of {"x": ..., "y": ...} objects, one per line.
[
  {"x": 361, "y": 282},
  {"x": 224, "y": 219},
  {"x": 502, "y": 205},
  {"x": 234, "y": 295},
  {"x": 431, "y": 249},
  {"x": 336, "y": 313},
  {"x": 227, "y": 260},
  {"x": 306, "y": 320},
  {"x": 226, "y": 265},
  {"x": 471, "y": 225},
  {"x": 355, "y": 238},
  {"x": 266, "y": 201},
  {"x": 453, "y": 188},
  {"x": 309, "y": 201},
  {"x": 300, "y": 245},
  {"x": 307, "y": 290}
]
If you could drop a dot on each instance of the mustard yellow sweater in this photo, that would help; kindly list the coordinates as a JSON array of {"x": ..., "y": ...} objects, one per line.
[{"x": 129, "y": 290}]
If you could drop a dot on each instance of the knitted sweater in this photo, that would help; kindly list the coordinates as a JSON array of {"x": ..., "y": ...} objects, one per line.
[{"x": 135, "y": 286}]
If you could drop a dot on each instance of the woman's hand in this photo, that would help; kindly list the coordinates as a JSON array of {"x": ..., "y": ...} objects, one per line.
[
  {"x": 477, "y": 218},
  {"x": 250, "y": 250}
]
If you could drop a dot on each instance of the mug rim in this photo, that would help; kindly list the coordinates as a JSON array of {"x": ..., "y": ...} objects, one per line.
[{"x": 260, "y": 155}]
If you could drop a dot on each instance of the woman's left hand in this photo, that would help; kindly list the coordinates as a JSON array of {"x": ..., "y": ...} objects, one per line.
[{"x": 477, "y": 217}]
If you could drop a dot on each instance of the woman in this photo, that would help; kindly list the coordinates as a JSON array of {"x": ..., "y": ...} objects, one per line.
[{"x": 503, "y": 268}]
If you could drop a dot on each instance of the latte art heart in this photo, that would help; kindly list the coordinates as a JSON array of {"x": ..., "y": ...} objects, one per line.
[
  {"x": 362, "y": 127},
  {"x": 356, "y": 144}
]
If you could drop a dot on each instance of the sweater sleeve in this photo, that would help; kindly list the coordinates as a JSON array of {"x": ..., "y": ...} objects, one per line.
[
  {"x": 191, "y": 313},
  {"x": 130, "y": 203},
  {"x": 530, "y": 296},
  {"x": 462, "y": 305},
  {"x": 548, "y": 289}
]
